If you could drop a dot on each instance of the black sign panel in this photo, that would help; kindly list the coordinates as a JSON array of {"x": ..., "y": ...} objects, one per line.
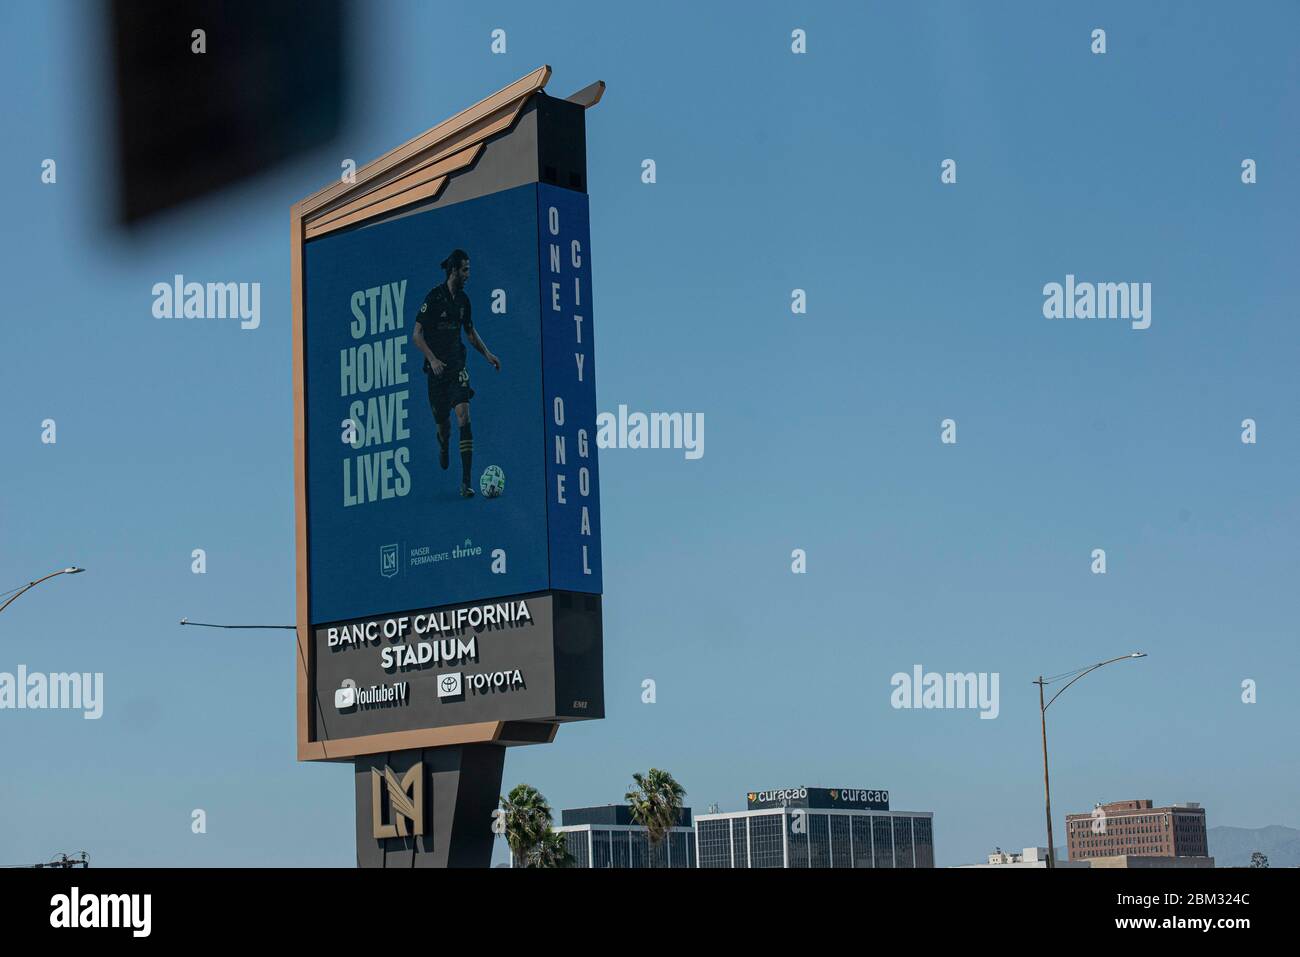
[
  {"x": 533, "y": 657},
  {"x": 842, "y": 799}
]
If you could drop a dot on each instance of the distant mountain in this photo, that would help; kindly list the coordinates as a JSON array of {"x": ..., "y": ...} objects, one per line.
[{"x": 1232, "y": 846}]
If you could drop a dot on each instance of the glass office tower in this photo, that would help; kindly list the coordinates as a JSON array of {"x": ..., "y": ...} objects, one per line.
[
  {"x": 606, "y": 837},
  {"x": 792, "y": 827},
  {"x": 816, "y": 827}
]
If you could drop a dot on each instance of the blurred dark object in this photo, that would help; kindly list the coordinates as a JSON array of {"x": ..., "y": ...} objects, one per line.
[{"x": 270, "y": 84}]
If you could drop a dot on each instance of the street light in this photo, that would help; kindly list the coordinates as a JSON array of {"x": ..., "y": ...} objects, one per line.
[
  {"x": 207, "y": 624},
  {"x": 204, "y": 624},
  {"x": 1042, "y": 710},
  {"x": 70, "y": 570}
]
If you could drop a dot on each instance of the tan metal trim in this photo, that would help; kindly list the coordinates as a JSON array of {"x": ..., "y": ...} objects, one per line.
[
  {"x": 518, "y": 90},
  {"x": 477, "y": 133},
  {"x": 367, "y": 204},
  {"x": 589, "y": 95},
  {"x": 483, "y": 732},
  {"x": 302, "y": 636},
  {"x": 427, "y": 191}
]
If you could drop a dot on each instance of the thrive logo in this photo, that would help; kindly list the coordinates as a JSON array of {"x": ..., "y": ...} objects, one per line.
[
  {"x": 405, "y": 801},
  {"x": 214, "y": 300},
  {"x": 1106, "y": 300}
]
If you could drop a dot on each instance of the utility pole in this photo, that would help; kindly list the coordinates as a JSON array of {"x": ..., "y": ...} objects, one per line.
[
  {"x": 1047, "y": 787},
  {"x": 1042, "y": 710}
]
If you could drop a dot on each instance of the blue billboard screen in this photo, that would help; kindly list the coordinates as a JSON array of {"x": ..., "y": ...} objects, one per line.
[
  {"x": 569, "y": 380},
  {"x": 437, "y": 383}
]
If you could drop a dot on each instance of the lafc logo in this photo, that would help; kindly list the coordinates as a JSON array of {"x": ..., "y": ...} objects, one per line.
[
  {"x": 388, "y": 561},
  {"x": 405, "y": 802}
]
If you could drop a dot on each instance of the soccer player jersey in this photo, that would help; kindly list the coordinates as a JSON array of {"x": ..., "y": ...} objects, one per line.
[{"x": 441, "y": 319}]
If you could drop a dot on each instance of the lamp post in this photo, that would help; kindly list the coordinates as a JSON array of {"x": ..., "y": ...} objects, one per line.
[
  {"x": 204, "y": 624},
  {"x": 208, "y": 624},
  {"x": 70, "y": 570},
  {"x": 1042, "y": 711}
]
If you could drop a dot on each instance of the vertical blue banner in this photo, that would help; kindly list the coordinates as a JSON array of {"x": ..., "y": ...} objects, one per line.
[{"x": 569, "y": 390}]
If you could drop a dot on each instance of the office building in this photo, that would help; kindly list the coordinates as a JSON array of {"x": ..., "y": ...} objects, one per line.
[
  {"x": 1136, "y": 829},
  {"x": 816, "y": 827},
  {"x": 1144, "y": 861},
  {"x": 606, "y": 836},
  {"x": 1028, "y": 858}
]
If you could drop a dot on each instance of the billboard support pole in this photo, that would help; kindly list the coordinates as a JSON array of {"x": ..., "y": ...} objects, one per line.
[{"x": 453, "y": 792}]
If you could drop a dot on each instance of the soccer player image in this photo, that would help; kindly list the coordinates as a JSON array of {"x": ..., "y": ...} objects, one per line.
[{"x": 444, "y": 312}]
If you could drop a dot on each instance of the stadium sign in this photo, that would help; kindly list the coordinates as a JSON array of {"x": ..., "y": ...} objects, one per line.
[{"x": 447, "y": 488}]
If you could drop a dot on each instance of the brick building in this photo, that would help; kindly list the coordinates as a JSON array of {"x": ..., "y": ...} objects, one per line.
[{"x": 1138, "y": 829}]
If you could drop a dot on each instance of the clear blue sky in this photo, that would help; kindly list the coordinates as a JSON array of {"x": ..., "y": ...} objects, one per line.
[{"x": 775, "y": 171}]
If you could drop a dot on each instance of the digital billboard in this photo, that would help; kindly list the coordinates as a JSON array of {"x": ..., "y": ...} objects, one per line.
[
  {"x": 445, "y": 484},
  {"x": 449, "y": 520}
]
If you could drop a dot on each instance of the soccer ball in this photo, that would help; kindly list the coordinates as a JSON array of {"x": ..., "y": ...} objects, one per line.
[{"x": 493, "y": 482}]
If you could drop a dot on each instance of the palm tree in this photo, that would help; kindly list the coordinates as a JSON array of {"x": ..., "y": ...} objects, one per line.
[
  {"x": 552, "y": 851},
  {"x": 528, "y": 822},
  {"x": 656, "y": 804}
]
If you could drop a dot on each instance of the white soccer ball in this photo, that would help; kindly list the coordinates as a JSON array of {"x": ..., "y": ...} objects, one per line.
[{"x": 493, "y": 482}]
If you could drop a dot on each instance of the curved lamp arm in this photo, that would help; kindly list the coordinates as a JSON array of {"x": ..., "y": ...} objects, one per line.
[
  {"x": 70, "y": 570},
  {"x": 1111, "y": 661}
]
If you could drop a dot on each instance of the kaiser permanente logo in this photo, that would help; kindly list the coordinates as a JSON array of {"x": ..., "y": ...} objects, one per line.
[{"x": 75, "y": 691}]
